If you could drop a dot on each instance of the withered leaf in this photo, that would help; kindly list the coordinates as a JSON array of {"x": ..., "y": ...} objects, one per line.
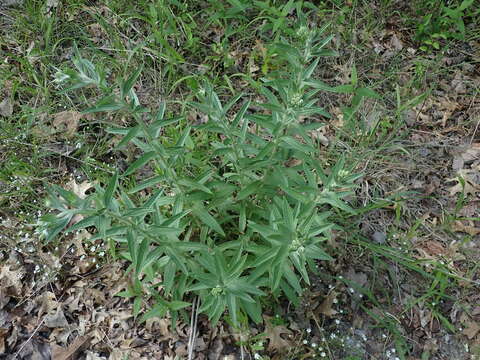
[
  {"x": 6, "y": 108},
  {"x": 61, "y": 353},
  {"x": 471, "y": 329},
  {"x": 325, "y": 307},
  {"x": 56, "y": 320},
  {"x": 274, "y": 335},
  {"x": 468, "y": 229},
  {"x": 11, "y": 278},
  {"x": 67, "y": 121},
  {"x": 79, "y": 189},
  {"x": 469, "y": 187}
]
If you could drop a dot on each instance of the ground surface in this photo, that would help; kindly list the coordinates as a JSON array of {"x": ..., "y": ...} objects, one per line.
[{"x": 405, "y": 282}]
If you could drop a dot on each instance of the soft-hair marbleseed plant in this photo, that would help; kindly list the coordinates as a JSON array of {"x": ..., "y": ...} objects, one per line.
[{"x": 234, "y": 222}]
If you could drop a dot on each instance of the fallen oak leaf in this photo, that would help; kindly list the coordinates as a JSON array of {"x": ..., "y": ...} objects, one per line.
[
  {"x": 325, "y": 307},
  {"x": 434, "y": 248},
  {"x": 79, "y": 189},
  {"x": 274, "y": 335},
  {"x": 468, "y": 229},
  {"x": 465, "y": 184},
  {"x": 6, "y": 108},
  {"x": 68, "y": 119},
  {"x": 471, "y": 329},
  {"x": 10, "y": 278},
  {"x": 465, "y": 155},
  {"x": 471, "y": 153},
  {"x": 61, "y": 353},
  {"x": 56, "y": 320}
]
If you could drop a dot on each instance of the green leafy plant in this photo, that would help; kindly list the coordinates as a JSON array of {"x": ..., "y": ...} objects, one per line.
[
  {"x": 230, "y": 221},
  {"x": 445, "y": 22}
]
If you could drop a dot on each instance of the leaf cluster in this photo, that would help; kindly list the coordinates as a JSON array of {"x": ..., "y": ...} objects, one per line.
[{"x": 231, "y": 221}]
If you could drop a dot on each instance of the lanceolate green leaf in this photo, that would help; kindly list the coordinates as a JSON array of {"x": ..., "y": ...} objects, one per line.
[
  {"x": 142, "y": 160},
  {"x": 109, "y": 192},
  {"x": 132, "y": 132},
  {"x": 202, "y": 214},
  {"x": 128, "y": 84}
]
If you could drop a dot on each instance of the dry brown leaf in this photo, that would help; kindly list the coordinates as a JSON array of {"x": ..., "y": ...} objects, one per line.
[
  {"x": 469, "y": 188},
  {"x": 3, "y": 334},
  {"x": 433, "y": 247},
  {"x": 274, "y": 335},
  {"x": 468, "y": 229},
  {"x": 472, "y": 153},
  {"x": 293, "y": 162},
  {"x": 79, "y": 189},
  {"x": 453, "y": 253},
  {"x": 325, "y": 307},
  {"x": 471, "y": 329},
  {"x": 46, "y": 302},
  {"x": 67, "y": 122},
  {"x": 61, "y": 353},
  {"x": 466, "y": 155},
  {"x": 93, "y": 356},
  {"x": 396, "y": 43},
  {"x": 96, "y": 32},
  {"x": 11, "y": 278},
  {"x": 56, "y": 320},
  {"x": 6, "y": 108}
]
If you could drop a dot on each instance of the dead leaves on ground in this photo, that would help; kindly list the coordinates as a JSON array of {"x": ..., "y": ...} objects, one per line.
[
  {"x": 6, "y": 107},
  {"x": 437, "y": 251},
  {"x": 326, "y": 307},
  {"x": 66, "y": 122},
  {"x": 66, "y": 353},
  {"x": 78, "y": 316},
  {"x": 278, "y": 336},
  {"x": 468, "y": 182}
]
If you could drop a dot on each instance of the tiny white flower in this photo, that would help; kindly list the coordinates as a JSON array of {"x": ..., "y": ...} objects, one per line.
[
  {"x": 335, "y": 300},
  {"x": 323, "y": 354},
  {"x": 314, "y": 345},
  {"x": 257, "y": 356},
  {"x": 305, "y": 342},
  {"x": 337, "y": 321},
  {"x": 351, "y": 290},
  {"x": 309, "y": 330}
]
